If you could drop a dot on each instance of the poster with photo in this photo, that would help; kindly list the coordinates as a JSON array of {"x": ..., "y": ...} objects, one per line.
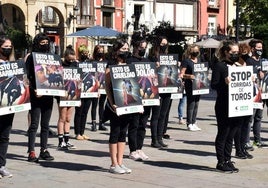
[
  {"x": 101, "y": 66},
  {"x": 126, "y": 89},
  {"x": 240, "y": 91},
  {"x": 90, "y": 83},
  {"x": 72, "y": 77},
  {"x": 168, "y": 73},
  {"x": 264, "y": 81},
  {"x": 201, "y": 82},
  {"x": 14, "y": 87},
  {"x": 48, "y": 74},
  {"x": 148, "y": 82}
]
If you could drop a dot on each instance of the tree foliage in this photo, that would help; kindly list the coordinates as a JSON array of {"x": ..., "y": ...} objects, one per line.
[{"x": 254, "y": 13}]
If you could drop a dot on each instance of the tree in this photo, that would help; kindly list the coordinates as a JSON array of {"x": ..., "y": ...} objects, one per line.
[{"x": 254, "y": 13}]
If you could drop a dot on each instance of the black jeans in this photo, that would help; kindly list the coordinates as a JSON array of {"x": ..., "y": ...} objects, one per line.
[
  {"x": 39, "y": 107},
  {"x": 227, "y": 128},
  {"x": 256, "y": 123},
  {"x": 102, "y": 100},
  {"x": 80, "y": 116},
  {"x": 136, "y": 133},
  {"x": 192, "y": 108},
  {"x": 5, "y": 128},
  {"x": 164, "y": 107},
  {"x": 94, "y": 108}
]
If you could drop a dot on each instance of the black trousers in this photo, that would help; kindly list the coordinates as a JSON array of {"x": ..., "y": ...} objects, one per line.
[
  {"x": 227, "y": 128},
  {"x": 102, "y": 100},
  {"x": 80, "y": 116},
  {"x": 164, "y": 107},
  {"x": 5, "y": 128}
]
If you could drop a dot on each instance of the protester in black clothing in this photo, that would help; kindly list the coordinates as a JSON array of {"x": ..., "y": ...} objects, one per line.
[
  {"x": 66, "y": 112},
  {"x": 190, "y": 60},
  {"x": 227, "y": 127},
  {"x": 98, "y": 55},
  {"x": 6, "y": 54},
  {"x": 136, "y": 132},
  {"x": 160, "y": 47},
  {"x": 256, "y": 47},
  {"x": 118, "y": 124},
  {"x": 40, "y": 105}
]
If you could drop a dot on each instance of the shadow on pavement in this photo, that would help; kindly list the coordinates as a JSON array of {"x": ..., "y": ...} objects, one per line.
[{"x": 190, "y": 152}]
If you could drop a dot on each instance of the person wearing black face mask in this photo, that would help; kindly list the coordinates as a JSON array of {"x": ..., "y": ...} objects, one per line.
[
  {"x": 226, "y": 127},
  {"x": 40, "y": 105},
  {"x": 6, "y": 121},
  {"x": 136, "y": 132},
  {"x": 256, "y": 46}
]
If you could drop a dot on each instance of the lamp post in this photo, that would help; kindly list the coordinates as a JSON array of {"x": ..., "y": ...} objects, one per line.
[{"x": 237, "y": 21}]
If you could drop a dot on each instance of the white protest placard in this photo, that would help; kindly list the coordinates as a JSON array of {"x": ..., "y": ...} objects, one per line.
[{"x": 240, "y": 91}]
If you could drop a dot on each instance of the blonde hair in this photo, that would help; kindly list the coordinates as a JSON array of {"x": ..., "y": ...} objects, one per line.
[{"x": 187, "y": 52}]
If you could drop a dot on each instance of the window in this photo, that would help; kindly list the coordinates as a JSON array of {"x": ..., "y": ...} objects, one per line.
[
  {"x": 184, "y": 16},
  {"x": 107, "y": 19},
  {"x": 49, "y": 15},
  {"x": 212, "y": 28},
  {"x": 107, "y": 2}
]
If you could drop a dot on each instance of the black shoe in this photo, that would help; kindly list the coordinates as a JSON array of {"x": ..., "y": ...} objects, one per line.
[
  {"x": 231, "y": 165},
  {"x": 240, "y": 155},
  {"x": 249, "y": 156},
  {"x": 45, "y": 155},
  {"x": 223, "y": 167},
  {"x": 166, "y": 136},
  {"x": 249, "y": 147},
  {"x": 156, "y": 145},
  {"x": 102, "y": 127},
  {"x": 162, "y": 143},
  {"x": 32, "y": 157},
  {"x": 94, "y": 127}
]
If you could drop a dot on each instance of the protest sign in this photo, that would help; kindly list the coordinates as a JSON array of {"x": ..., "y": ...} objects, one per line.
[
  {"x": 201, "y": 82},
  {"x": 14, "y": 88},
  {"x": 101, "y": 66},
  {"x": 264, "y": 81},
  {"x": 90, "y": 83},
  {"x": 48, "y": 74},
  {"x": 148, "y": 82},
  {"x": 240, "y": 91},
  {"x": 126, "y": 89},
  {"x": 72, "y": 77},
  {"x": 168, "y": 73}
]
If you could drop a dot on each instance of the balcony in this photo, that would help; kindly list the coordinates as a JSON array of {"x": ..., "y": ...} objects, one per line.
[{"x": 213, "y": 5}]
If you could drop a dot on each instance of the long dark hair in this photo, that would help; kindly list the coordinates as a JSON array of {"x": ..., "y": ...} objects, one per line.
[
  {"x": 116, "y": 47},
  {"x": 3, "y": 39},
  {"x": 39, "y": 37}
]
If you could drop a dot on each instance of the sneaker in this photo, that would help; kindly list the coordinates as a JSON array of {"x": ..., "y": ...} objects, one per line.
[
  {"x": 166, "y": 136},
  {"x": 249, "y": 147},
  {"x": 127, "y": 170},
  {"x": 143, "y": 156},
  {"x": 70, "y": 145},
  {"x": 79, "y": 137},
  {"x": 240, "y": 155},
  {"x": 117, "y": 170},
  {"x": 260, "y": 144},
  {"x": 182, "y": 122},
  {"x": 4, "y": 172},
  {"x": 196, "y": 127},
  {"x": 45, "y": 155},
  {"x": 231, "y": 165},
  {"x": 191, "y": 127},
  {"x": 85, "y": 137},
  {"x": 134, "y": 156},
  {"x": 249, "y": 156},
  {"x": 32, "y": 157},
  {"x": 62, "y": 146},
  {"x": 223, "y": 167}
]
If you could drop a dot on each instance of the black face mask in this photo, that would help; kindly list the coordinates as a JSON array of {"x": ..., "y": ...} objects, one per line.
[
  {"x": 234, "y": 58},
  {"x": 84, "y": 57},
  {"x": 6, "y": 52},
  {"x": 99, "y": 55},
  {"x": 44, "y": 48},
  {"x": 141, "y": 52},
  {"x": 124, "y": 55},
  {"x": 258, "y": 53},
  {"x": 163, "y": 48},
  {"x": 194, "y": 54}
]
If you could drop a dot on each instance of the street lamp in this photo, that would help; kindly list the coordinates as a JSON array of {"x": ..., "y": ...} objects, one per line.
[{"x": 72, "y": 16}]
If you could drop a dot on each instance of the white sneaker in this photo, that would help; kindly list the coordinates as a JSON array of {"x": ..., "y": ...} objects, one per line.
[
  {"x": 135, "y": 156},
  {"x": 4, "y": 172},
  {"x": 191, "y": 127},
  {"x": 196, "y": 127},
  {"x": 117, "y": 170},
  {"x": 127, "y": 170},
  {"x": 143, "y": 156}
]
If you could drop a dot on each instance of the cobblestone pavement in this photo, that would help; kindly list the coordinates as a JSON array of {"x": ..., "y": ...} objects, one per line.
[{"x": 189, "y": 160}]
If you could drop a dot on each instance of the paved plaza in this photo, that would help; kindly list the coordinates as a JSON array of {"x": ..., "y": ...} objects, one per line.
[{"x": 189, "y": 160}]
